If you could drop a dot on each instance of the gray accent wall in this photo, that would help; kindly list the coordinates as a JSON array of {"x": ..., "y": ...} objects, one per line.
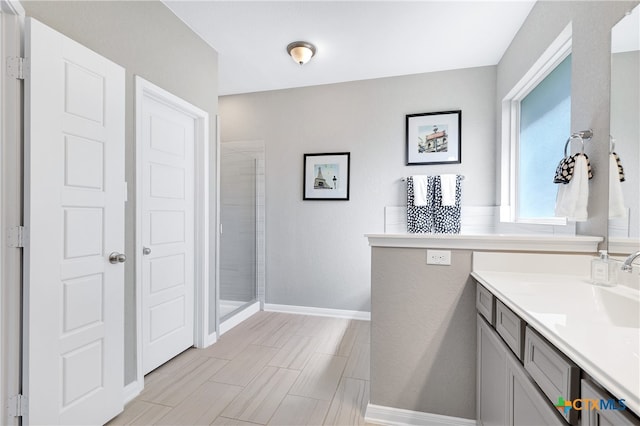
[
  {"x": 590, "y": 81},
  {"x": 316, "y": 253},
  {"x": 423, "y": 332},
  {"x": 148, "y": 40}
]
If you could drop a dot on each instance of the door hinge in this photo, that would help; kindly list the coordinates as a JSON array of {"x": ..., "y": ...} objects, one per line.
[
  {"x": 15, "y": 67},
  {"x": 18, "y": 405},
  {"x": 17, "y": 237}
]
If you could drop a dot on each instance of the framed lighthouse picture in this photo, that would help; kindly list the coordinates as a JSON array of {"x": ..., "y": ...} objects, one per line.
[{"x": 326, "y": 176}]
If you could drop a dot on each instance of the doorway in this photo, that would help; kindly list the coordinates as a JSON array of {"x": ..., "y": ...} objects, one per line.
[{"x": 171, "y": 225}]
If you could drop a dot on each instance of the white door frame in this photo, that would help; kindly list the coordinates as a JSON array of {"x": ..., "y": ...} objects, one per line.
[
  {"x": 11, "y": 45},
  {"x": 201, "y": 336}
]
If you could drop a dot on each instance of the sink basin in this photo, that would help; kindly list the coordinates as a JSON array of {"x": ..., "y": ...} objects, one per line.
[
  {"x": 621, "y": 305},
  {"x": 629, "y": 279}
]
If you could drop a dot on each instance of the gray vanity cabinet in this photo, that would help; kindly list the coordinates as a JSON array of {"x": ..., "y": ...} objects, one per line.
[
  {"x": 521, "y": 375},
  {"x": 505, "y": 393},
  {"x": 526, "y": 405},
  {"x": 510, "y": 328},
  {"x": 603, "y": 417},
  {"x": 491, "y": 395},
  {"x": 486, "y": 304}
]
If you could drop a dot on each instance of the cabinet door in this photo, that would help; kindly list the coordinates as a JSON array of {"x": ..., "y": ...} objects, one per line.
[
  {"x": 603, "y": 417},
  {"x": 492, "y": 387},
  {"x": 527, "y": 406}
]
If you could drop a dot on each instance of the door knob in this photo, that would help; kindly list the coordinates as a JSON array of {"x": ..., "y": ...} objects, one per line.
[
  {"x": 116, "y": 257},
  {"x": 146, "y": 250}
]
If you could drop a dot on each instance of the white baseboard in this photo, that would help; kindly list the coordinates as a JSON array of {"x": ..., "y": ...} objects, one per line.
[
  {"x": 239, "y": 317},
  {"x": 210, "y": 340},
  {"x": 321, "y": 312},
  {"x": 132, "y": 390},
  {"x": 379, "y": 414}
]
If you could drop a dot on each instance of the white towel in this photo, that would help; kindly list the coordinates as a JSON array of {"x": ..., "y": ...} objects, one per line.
[
  {"x": 420, "y": 190},
  {"x": 616, "y": 200},
  {"x": 448, "y": 187},
  {"x": 573, "y": 197}
]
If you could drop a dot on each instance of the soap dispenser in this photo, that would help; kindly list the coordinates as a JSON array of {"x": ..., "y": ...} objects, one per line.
[{"x": 602, "y": 270}]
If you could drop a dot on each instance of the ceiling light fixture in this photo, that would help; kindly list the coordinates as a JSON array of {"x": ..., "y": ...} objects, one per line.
[{"x": 301, "y": 51}]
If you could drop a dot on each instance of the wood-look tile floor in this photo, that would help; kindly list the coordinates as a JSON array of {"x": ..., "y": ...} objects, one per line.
[{"x": 273, "y": 369}]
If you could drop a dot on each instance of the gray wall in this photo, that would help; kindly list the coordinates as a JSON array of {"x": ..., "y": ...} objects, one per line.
[
  {"x": 423, "y": 319},
  {"x": 316, "y": 251},
  {"x": 147, "y": 40},
  {"x": 590, "y": 80}
]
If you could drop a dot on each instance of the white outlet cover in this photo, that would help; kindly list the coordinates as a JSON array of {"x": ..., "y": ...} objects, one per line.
[{"x": 438, "y": 257}]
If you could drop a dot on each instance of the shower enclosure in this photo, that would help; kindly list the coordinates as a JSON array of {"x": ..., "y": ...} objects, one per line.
[{"x": 241, "y": 282}]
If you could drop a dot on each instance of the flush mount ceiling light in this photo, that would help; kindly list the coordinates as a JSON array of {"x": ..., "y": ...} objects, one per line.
[{"x": 301, "y": 51}]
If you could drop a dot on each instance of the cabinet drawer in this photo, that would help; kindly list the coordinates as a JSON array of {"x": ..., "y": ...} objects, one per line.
[
  {"x": 510, "y": 327},
  {"x": 556, "y": 375},
  {"x": 598, "y": 417},
  {"x": 485, "y": 303}
]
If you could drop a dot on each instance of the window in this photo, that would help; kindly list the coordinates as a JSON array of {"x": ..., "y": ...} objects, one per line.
[
  {"x": 536, "y": 122},
  {"x": 545, "y": 124}
]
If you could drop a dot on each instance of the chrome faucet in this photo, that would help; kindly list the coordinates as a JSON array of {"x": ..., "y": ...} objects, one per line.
[{"x": 627, "y": 265}]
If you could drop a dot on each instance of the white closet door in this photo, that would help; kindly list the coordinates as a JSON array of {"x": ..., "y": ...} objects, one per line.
[
  {"x": 74, "y": 214},
  {"x": 167, "y": 204}
]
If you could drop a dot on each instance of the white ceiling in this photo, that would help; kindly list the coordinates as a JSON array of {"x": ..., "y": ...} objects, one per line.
[{"x": 356, "y": 40}]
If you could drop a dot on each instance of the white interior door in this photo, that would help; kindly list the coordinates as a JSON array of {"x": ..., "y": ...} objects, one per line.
[
  {"x": 167, "y": 205},
  {"x": 74, "y": 215}
]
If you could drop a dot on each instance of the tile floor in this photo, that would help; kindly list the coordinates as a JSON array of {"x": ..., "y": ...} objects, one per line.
[{"x": 273, "y": 369}]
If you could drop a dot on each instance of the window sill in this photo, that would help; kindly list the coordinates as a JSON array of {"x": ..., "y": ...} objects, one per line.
[{"x": 556, "y": 221}]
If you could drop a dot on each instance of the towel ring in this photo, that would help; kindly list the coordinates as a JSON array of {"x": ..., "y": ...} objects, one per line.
[{"x": 574, "y": 136}]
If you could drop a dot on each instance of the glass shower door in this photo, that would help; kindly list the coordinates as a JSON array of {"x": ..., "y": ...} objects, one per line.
[{"x": 238, "y": 231}]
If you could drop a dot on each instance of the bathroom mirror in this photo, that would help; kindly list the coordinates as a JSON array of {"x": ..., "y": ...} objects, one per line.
[{"x": 625, "y": 130}]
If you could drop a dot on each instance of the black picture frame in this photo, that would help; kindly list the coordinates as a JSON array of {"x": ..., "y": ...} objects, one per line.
[
  {"x": 434, "y": 138},
  {"x": 332, "y": 187}
]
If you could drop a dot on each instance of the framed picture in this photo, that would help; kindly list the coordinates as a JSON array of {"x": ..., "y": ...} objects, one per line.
[
  {"x": 434, "y": 138},
  {"x": 326, "y": 176}
]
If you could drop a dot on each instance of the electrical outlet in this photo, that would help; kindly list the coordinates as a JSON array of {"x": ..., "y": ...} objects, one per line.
[{"x": 438, "y": 257}]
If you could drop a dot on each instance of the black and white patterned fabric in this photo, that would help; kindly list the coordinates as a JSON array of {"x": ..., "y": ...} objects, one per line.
[
  {"x": 419, "y": 218},
  {"x": 434, "y": 217},
  {"x": 620, "y": 169},
  {"x": 564, "y": 171}
]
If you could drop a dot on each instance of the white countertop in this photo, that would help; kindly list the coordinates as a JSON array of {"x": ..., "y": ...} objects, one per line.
[
  {"x": 511, "y": 242},
  {"x": 597, "y": 328}
]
